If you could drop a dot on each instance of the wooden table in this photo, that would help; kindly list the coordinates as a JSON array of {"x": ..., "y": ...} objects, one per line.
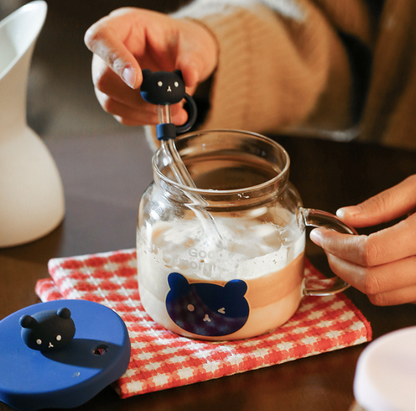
[{"x": 104, "y": 178}]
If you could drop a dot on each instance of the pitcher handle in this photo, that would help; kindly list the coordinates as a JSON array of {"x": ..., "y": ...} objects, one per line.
[{"x": 318, "y": 218}]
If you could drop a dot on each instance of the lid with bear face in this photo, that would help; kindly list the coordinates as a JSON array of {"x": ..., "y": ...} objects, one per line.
[{"x": 65, "y": 351}]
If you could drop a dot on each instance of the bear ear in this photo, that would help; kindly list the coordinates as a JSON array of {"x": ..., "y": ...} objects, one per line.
[
  {"x": 146, "y": 73},
  {"x": 64, "y": 313},
  {"x": 237, "y": 287},
  {"x": 179, "y": 74},
  {"x": 26, "y": 321},
  {"x": 178, "y": 283}
]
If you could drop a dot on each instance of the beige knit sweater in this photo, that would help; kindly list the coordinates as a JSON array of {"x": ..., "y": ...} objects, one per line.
[{"x": 284, "y": 68}]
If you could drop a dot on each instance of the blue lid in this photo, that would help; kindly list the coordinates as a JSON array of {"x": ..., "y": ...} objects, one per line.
[{"x": 32, "y": 378}]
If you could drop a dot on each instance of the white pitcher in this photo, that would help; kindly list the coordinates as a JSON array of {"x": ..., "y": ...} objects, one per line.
[{"x": 31, "y": 193}]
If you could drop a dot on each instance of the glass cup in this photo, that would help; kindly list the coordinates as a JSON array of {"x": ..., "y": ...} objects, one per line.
[{"x": 225, "y": 260}]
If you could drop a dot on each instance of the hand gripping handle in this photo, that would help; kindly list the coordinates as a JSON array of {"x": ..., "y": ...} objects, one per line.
[{"x": 318, "y": 218}]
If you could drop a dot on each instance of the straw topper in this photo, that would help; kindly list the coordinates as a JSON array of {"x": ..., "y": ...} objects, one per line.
[{"x": 164, "y": 88}]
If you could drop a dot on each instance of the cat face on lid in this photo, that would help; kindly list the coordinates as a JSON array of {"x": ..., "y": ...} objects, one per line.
[
  {"x": 162, "y": 87},
  {"x": 207, "y": 309}
]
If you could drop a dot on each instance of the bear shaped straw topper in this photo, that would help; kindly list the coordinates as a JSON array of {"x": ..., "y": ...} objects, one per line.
[
  {"x": 164, "y": 88},
  {"x": 207, "y": 309},
  {"x": 48, "y": 330}
]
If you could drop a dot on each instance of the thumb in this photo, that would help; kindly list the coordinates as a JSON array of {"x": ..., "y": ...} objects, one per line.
[
  {"x": 190, "y": 73},
  {"x": 385, "y": 206}
]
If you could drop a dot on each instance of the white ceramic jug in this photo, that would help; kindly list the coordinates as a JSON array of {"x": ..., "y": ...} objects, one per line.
[{"x": 31, "y": 193}]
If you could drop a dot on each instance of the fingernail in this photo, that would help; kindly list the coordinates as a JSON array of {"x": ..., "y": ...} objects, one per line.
[
  {"x": 348, "y": 211},
  {"x": 341, "y": 213},
  {"x": 129, "y": 76},
  {"x": 316, "y": 236}
]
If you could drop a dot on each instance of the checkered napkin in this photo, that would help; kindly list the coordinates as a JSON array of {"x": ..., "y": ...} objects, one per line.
[{"x": 161, "y": 359}]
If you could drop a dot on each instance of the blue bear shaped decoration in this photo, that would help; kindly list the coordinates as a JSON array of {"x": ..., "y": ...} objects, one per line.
[
  {"x": 48, "y": 330},
  {"x": 207, "y": 309}
]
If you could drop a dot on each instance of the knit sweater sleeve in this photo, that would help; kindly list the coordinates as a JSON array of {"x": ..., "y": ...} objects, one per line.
[{"x": 281, "y": 63}]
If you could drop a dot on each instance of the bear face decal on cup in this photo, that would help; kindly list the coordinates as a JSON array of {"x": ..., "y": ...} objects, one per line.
[{"x": 207, "y": 309}]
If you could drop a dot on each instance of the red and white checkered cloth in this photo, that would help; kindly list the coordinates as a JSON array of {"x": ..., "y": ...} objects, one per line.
[{"x": 161, "y": 359}]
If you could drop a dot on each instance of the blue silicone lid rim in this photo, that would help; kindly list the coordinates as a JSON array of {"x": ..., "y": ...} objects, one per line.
[{"x": 66, "y": 378}]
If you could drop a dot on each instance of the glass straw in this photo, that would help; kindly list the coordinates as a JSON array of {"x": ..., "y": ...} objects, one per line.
[{"x": 183, "y": 177}]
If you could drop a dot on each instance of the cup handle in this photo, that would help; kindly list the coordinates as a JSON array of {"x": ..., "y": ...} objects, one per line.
[{"x": 318, "y": 218}]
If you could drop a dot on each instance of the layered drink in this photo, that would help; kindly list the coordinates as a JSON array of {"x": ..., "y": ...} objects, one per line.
[{"x": 247, "y": 285}]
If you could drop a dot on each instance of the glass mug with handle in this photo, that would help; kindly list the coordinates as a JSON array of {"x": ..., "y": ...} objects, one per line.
[{"x": 225, "y": 260}]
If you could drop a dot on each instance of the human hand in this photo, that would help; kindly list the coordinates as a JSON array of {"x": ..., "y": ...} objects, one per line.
[
  {"x": 132, "y": 39},
  {"x": 383, "y": 264}
]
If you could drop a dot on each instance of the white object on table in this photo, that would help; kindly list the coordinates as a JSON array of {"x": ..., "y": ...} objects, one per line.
[
  {"x": 31, "y": 192},
  {"x": 385, "y": 377}
]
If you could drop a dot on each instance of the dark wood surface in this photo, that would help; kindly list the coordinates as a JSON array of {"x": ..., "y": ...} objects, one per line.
[{"x": 104, "y": 178}]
